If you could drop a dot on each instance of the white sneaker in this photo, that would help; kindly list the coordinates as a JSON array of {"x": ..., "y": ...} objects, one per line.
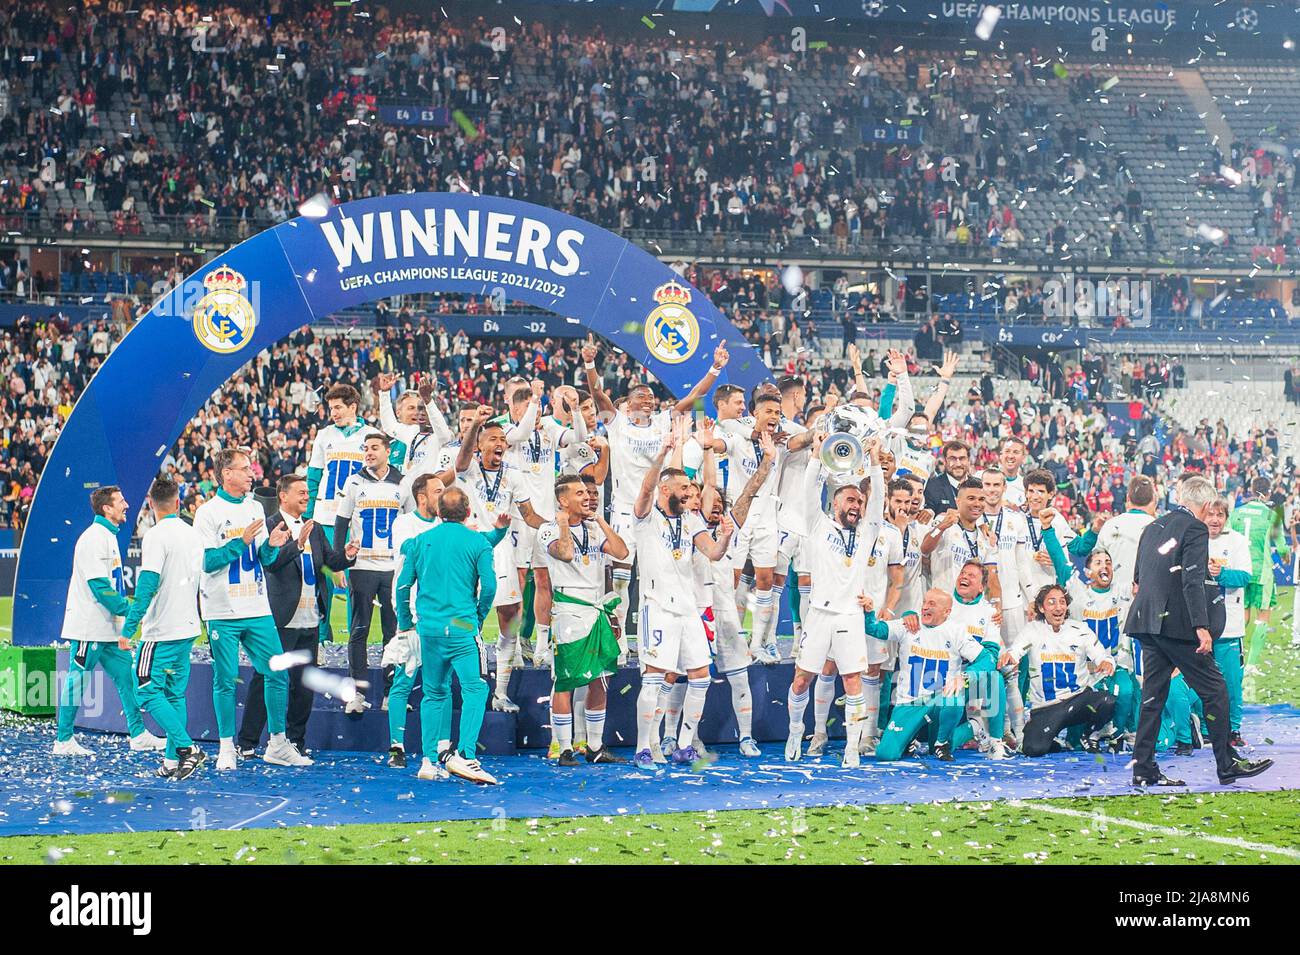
[
  {"x": 502, "y": 704},
  {"x": 868, "y": 745},
  {"x": 70, "y": 747},
  {"x": 226, "y": 758},
  {"x": 543, "y": 659},
  {"x": 817, "y": 745},
  {"x": 667, "y": 746},
  {"x": 792, "y": 744},
  {"x": 749, "y": 748},
  {"x": 146, "y": 742},
  {"x": 280, "y": 752},
  {"x": 356, "y": 705},
  {"x": 657, "y": 753},
  {"x": 384, "y": 706},
  {"x": 851, "y": 759},
  {"x": 998, "y": 750},
  {"x": 767, "y": 655},
  {"x": 429, "y": 770},
  {"x": 469, "y": 769}
]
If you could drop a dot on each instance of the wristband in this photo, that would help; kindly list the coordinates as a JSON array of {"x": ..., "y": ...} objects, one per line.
[
  {"x": 715, "y": 371},
  {"x": 589, "y": 365}
]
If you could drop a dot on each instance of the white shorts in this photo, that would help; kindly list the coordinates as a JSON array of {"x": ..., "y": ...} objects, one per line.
[
  {"x": 503, "y": 560},
  {"x": 841, "y": 637},
  {"x": 623, "y": 523},
  {"x": 673, "y": 642},
  {"x": 791, "y": 549},
  {"x": 730, "y": 648},
  {"x": 524, "y": 542},
  {"x": 757, "y": 542}
]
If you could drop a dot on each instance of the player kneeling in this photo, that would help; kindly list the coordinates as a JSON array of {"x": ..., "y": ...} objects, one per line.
[
  {"x": 929, "y": 693},
  {"x": 1063, "y": 654}
]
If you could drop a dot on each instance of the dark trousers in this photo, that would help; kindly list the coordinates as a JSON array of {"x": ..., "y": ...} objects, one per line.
[
  {"x": 366, "y": 586},
  {"x": 300, "y": 698},
  {"x": 1160, "y": 655},
  {"x": 1089, "y": 708}
]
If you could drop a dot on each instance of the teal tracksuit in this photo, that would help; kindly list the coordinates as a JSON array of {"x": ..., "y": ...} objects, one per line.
[
  {"x": 457, "y": 582},
  {"x": 261, "y": 641},
  {"x": 87, "y": 654},
  {"x": 404, "y": 683},
  {"x": 162, "y": 669}
]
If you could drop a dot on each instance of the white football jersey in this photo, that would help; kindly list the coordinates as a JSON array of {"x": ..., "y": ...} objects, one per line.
[
  {"x": 171, "y": 549},
  {"x": 237, "y": 590},
  {"x": 95, "y": 556}
]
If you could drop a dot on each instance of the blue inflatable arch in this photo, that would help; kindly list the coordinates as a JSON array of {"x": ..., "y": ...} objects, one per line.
[{"x": 198, "y": 335}]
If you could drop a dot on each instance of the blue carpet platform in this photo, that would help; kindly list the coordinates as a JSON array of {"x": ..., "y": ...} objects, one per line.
[
  {"x": 502, "y": 735},
  {"x": 117, "y": 791}
]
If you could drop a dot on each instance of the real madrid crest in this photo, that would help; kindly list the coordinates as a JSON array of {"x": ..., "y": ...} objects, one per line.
[
  {"x": 224, "y": 318},
  {"x": 671, "y": 331}
]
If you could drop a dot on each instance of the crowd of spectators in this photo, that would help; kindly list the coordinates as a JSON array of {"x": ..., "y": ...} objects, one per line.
[{"x": 237, "y": 112}]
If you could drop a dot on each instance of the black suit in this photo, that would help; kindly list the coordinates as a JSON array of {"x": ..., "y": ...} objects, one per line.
[
  {"x": 1174, "y": 599},
  {"x": 940, "y": 495},
  {"x": 284, "y": 579}
]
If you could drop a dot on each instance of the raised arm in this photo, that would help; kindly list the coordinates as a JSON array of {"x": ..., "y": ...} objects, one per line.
[
  {"x": 720, "y": 359},
  {"x": 715, "y": 549},
  {"x": 519, "y": 433},
  {"x": 740, "y": 507},
  {"x": 441, "y": 429},
  {"x": 645, "y": 496},
  {"x": 905, "y": 401},
  {"x": 466, "y": 453},
  {"x": 593, "y": 380},
  {"x": 812, "y": 483},
  {"x": 940, "y": 393}
]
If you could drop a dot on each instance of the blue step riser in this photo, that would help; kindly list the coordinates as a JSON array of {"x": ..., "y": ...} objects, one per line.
[{"x": 502, "y": 734}]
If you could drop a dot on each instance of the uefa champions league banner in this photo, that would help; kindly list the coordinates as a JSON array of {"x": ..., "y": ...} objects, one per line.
[
  {"x": 1144, "y": 19},
  {"x": 197, "y": 336}
]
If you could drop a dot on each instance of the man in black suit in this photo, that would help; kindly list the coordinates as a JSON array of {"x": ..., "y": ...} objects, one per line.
[
  {"x": 1176, "y": 613},
  {"x": 941, "y": 489},
  {"x": 297, "y": 604}
]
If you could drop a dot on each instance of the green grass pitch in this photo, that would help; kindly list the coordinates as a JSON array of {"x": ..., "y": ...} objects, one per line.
[{"x": 1229, "y": 827}]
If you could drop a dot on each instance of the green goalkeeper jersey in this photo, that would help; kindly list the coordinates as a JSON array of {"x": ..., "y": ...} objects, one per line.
[{"x": 1262, "y": 528}]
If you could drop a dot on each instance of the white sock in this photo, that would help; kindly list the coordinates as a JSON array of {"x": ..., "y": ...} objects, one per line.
[
  {"x": 595, "y": 721},
  {"x": 170, "y": 763},
  {"x": 227, "y": 743},
  {"x": 562, "y": 729},
  {"x": 797, "y": 704},
  {"x": 277, "y": 738},
  {"x": 692, "y": 709},
  {"x": 769, "y": 634},
  {"x": 622, "y": 584},
  {"x": 1015, "y": 701},
  {"x": 742, "y": 595},
  {"x": 823, "y": 697},
  {"x": 871, "y": 713},
  {"x": 647, "y": 708},
  {"x": 580, "y": 706},
  {"x": 543, "y": 632},
  {"x": 742, "y": 703},
  {"x": 671, "y": 698},
  {"x": 762, "y": 617},
  {"x": 855, "y": 719},
  {"x": 507, "y": 643}
]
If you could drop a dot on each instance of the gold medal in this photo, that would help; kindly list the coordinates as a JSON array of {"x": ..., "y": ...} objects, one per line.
[
  {"x": 586, "y": 559},
  {"x": 871, "y": 561},
  {"x": 848, "y": 561},
  {"x": 677, "y": 554},
  {"x": 537, "y": 468},
  {"x": 491, "y": 508}
]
